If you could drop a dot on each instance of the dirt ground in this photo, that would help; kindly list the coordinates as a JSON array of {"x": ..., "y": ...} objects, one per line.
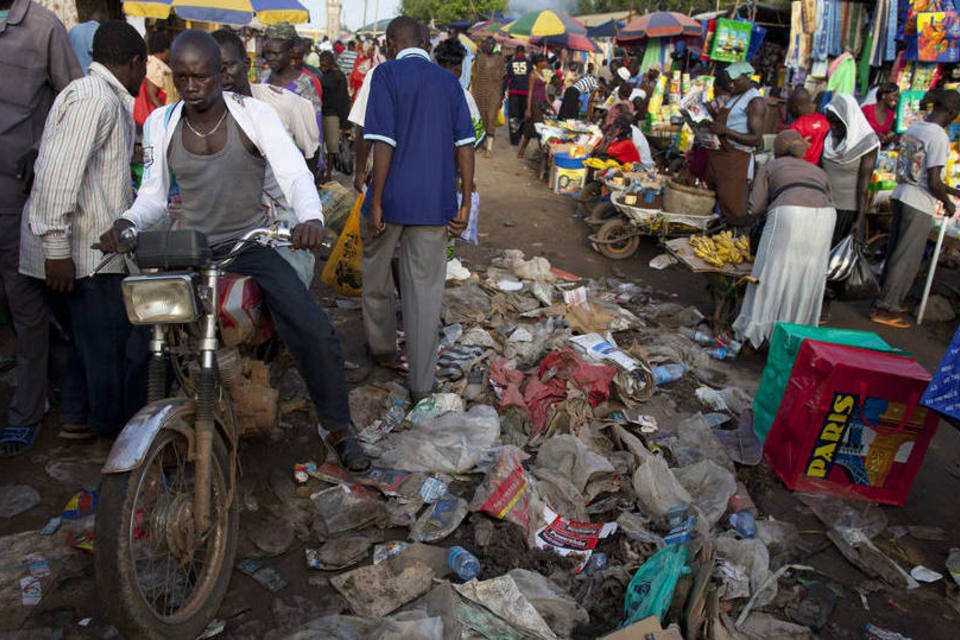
[{"x": 517, "y": 211}]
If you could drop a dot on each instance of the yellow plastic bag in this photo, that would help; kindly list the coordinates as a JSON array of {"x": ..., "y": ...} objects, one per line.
[
  {"x": 344, "y": 269},
  {"x": 501, "y": 119}
]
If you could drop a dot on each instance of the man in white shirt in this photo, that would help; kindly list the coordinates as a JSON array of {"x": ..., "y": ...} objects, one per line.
[{"x": 211, "y": 132}]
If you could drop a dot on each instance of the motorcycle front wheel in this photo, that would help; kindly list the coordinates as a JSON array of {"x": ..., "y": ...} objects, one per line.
[{"x": 157, "y": 576}]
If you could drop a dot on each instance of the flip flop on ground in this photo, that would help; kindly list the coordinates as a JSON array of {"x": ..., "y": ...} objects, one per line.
[
  {"x": 889, "y": 319},
  {"x": 15, "y": 439}
]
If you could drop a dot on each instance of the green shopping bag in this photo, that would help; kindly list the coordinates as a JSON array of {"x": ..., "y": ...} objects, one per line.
[{"x": 784, "y": 346}]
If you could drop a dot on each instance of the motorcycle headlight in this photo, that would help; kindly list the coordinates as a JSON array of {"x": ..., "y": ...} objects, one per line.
[{"x": 160, "y": 299}]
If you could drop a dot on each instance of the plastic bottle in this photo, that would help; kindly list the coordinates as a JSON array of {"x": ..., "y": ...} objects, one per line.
[
  {"x": 463, "y": 563},
  {"x": 701, "y": 337},
  {"x": 744, "y": 524},
  {"x": 597, "y": 562},
  {"x": 668, "y": 373},
  {"x": 721, "y": 353},
  {"x": 394, "y": 416}
]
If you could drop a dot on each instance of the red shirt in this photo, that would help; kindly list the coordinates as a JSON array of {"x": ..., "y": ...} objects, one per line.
[
  {"x": 870, "y": 113},
  {"x": 623, "y": 151},
  {"x": 814, "y": 127}
]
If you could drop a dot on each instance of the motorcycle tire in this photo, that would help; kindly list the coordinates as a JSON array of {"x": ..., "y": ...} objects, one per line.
[
  {"x": 117, "y": 528},
  {"x": 625, "y": 239}
]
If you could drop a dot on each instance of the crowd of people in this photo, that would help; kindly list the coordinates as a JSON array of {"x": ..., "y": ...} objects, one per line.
[
  {"x": 222, "y": 155},
  {"x": 796, "y": 211}
]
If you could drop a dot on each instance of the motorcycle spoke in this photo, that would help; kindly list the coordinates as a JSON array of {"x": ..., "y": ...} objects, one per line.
[{"x": 171, "y": 561}]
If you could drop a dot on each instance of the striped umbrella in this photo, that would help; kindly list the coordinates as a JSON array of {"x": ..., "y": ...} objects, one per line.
[
  {"x": 571, "y": 41},
  {"x": 660, "y": 24},
  {"x": 486, "y": 28},
  {"x": 545, "y": 23},
  {"x": 237, "y": 12}
]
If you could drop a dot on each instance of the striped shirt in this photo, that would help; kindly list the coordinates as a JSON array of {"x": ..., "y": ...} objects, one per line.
[
  {"x": 82, "y": 174},
  {"x": 345, "y": 61},
  {"x": 586, "y": 84}
]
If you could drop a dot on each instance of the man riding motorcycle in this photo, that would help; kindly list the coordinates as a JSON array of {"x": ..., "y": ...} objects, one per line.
[{"x": 218, "y": 147}]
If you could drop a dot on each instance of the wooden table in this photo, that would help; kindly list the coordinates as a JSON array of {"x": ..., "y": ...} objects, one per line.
[{"x": 726, "y": 284}]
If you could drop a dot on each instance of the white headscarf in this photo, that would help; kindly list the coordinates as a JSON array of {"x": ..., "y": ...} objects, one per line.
[{"x": 860, "y": 138}]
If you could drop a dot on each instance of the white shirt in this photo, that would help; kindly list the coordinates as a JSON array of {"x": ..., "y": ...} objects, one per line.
[
  {"x": 261, "y": 124},
  {"x": 326, "y": 45},
  {"x": 296, "y": 114},
  {"x": 643, "y": 147},
  {"x": 358, "y": 112}
]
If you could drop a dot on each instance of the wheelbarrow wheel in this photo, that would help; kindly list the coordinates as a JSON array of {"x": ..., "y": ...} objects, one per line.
[{"x": 617, "y": 239}]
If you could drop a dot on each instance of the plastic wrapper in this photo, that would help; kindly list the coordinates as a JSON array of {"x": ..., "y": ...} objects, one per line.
[
  {"x": 570, "y": 538},
  {"x": 434, "y": 406},
  {"x": 453, "y": 443},
  {"x": 505, "y": 491},
  {"x": 753, "y": 560},
  {"x": 651, "y": 589},
  {"x": 467, "y": 304},
  {"x": 344, "y": 508},
  {"x": 558, "y": 609},
  {"x": 440, "y": 519},
  {"x": 710, "y": 485},
  {"x": 502, "y": 597}
]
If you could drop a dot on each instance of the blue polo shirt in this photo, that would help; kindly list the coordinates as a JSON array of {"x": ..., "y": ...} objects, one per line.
[{"x": 419, "y": 109}]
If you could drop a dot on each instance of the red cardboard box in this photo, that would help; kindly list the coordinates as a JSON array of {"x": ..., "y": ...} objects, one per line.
[{"x": 851, "y": 425}]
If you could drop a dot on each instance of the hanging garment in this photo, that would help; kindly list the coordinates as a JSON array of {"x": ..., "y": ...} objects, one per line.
[
  {"x": 819, "y": 49},
  {"x": 843, "y": 75}
]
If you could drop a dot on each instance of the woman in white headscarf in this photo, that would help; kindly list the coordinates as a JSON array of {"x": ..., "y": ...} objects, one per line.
[{"x": 849, "y": 156}]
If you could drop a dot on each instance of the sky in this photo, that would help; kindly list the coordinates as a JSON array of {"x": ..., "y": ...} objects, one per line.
[{"x": 352, "y": 12}]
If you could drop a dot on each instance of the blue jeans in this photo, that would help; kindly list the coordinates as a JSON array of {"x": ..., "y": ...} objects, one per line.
[
  {"x": 304, "y": 329},
  {"x": 105, "y": 382}
]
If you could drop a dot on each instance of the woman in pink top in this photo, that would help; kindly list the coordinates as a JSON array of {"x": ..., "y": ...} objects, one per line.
[{"x": 882, "y": 115}]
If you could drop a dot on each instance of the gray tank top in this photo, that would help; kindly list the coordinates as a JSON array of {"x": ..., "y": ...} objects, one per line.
[
  {"x": 221, "y": 193},
  {"x": 843, "y": 179}
]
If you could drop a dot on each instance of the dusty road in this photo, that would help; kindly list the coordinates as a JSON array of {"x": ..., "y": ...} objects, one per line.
[{"x": 517, "y": 212}]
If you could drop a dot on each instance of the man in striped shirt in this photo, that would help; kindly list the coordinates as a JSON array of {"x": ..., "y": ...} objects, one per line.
[
  {"x": 588, "y": 83},
  {"x": 82, "y": 185},
  {"x": 346, "y": 59}
]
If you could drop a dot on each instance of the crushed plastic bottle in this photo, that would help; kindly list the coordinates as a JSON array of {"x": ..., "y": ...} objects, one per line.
[
  {"x": 744, "y": 524},
  {"x": 667, "y": 373},
  {"x": 463, "y": 563},
  {"x": 701, "y": 337},
  {"x": 597, "y": 562},
  {"x": 721, "y": 353}
]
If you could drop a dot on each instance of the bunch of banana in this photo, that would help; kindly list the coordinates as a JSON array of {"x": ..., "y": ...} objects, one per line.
[
  {"x": 721, "y": 248},
  {"x": 597, "y": 163}
]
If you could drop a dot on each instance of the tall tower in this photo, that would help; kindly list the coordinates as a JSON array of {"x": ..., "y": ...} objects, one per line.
[{"x": 333, "y": 19}]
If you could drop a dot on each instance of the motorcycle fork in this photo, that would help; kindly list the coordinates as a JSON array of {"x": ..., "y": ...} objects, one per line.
[{"x": 206, "y": 402}]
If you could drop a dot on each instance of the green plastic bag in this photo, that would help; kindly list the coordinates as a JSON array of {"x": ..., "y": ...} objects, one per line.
[
  {"x": 651, "y": 589},
  {"x": 784, "y": 346}
]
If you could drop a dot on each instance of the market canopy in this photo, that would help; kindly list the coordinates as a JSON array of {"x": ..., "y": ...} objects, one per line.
[
  {"x": 609, "y": 29},
  {"x": 238, "y": 12},
  {"x": 379, "y": 25},
  {"x": 661, "y": 24},
  {"x": 545, "y": 23},
  {"x": 572, "y": 41}
]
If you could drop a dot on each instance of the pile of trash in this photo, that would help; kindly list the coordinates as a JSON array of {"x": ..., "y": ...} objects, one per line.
[{"x": 575, "y": 475}]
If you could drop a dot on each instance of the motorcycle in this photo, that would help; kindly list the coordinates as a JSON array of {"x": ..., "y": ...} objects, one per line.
[{"x": 167, "y": 518}]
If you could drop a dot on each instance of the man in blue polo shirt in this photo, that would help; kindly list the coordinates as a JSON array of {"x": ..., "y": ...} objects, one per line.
[{"x": 419, "y": 124}]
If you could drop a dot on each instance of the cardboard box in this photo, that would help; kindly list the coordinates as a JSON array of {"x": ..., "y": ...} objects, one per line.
[{"x": 646, "y": 629}]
